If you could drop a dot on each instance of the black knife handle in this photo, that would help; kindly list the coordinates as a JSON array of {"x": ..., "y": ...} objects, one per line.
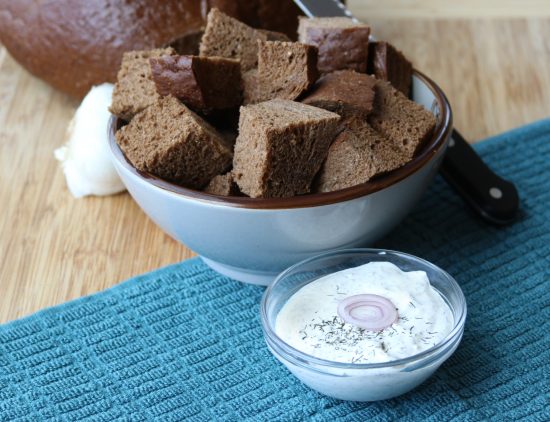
[{"x": 493, "y": 198}]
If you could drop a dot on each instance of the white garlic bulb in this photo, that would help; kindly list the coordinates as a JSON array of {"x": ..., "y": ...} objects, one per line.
[{"x": 86, "y": 159}]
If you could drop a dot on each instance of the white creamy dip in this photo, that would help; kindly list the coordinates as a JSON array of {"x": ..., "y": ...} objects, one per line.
[{"x": 309, "y": 320}]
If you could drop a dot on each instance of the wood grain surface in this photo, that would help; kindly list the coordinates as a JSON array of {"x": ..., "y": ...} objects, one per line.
[{"x": 495, "y": 70}]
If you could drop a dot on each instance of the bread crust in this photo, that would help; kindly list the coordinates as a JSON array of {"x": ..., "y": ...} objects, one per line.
[
  {"x": 389, "y": 64},
  {"x": 75, "y": 44},
  {"x": 202, "y": 83},
  {"x": 345, "y": 92},
  {"x": 342, "y": 43}
]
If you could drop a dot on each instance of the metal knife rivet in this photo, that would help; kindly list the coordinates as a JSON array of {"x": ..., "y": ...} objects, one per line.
[
  {"x": 495, "y": 193},
  {"x": 451, "y": 143}
]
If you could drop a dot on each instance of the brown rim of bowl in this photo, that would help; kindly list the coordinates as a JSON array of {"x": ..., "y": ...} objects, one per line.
[{"x": 441, "y": 133}]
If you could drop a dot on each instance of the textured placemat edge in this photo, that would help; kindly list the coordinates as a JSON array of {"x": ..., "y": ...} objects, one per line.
[{"x": 119, "y": 287}]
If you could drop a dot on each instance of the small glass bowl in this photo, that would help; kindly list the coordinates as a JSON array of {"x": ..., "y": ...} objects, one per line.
[{"x": 360, "y": 382}]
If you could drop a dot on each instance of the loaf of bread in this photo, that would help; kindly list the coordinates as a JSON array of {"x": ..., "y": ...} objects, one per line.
[
  {"x": 75, "y": 44},
  {"x": 280, "y": 147},
  {"x": 170, "y": 141}
]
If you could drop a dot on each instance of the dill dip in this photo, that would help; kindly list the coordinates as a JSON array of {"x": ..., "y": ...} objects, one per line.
[{"x": 368, "y": 314}]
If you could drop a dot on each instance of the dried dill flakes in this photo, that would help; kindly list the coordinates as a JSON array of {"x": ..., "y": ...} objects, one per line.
[{"x": 359, "y": 344}]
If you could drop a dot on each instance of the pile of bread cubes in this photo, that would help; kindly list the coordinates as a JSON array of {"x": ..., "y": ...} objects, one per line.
[{"x": 254, "y": 114}]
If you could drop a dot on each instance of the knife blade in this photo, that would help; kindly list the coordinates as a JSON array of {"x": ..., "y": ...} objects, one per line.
[{"x": 324, "y": 9}]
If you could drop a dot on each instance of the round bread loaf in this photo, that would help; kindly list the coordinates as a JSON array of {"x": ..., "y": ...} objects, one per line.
[{"x": 75, "y": 44}]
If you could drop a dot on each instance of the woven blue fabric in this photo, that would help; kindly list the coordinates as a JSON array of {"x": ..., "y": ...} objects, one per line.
[{"x": 185, "y": 343}]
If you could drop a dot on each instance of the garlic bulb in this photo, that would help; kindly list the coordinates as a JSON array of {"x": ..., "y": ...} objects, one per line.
[{"x": 86, "y": 159}]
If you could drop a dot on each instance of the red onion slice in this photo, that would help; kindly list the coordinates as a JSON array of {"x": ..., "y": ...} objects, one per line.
[{"x": 371, "y": 312}]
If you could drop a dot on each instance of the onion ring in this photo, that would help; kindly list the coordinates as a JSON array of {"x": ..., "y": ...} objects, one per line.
[{"x": 370, "y": 312}]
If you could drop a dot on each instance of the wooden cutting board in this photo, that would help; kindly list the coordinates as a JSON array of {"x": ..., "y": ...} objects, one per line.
[{"x": 495, "y": 70}]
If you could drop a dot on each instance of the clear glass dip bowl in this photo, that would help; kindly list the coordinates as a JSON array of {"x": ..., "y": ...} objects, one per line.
[{"x": 360, "y": 382}]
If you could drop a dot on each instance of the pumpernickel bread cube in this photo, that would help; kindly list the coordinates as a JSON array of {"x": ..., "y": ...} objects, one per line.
[
  {"x": 286, "y": 70},
  {"x": 201, "y": 83},
  {"x": 356, "y": 155},
  {"x": 280, "y": 147},
  {"x": 389, "y": 64},
  {"x": 170, "y": 141},
  {"x": 134, "y": 89},
  {"x": 342, "y": 43},
  {"x": 274, "y": 35},
  {"x": 251, "y": 87},
  {"x": 226, "y": 37},
  {"x": 403, "y": 121},
  {"x": 188, "y": 43},
  {"x": 223, "y": 185},
  {"x": 345, "y": 92}
]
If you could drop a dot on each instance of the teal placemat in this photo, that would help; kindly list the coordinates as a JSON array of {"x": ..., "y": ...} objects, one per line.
[{"x": 185, "y": 343}]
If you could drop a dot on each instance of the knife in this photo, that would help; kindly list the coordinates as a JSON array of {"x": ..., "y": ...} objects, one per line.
[
  {"x": 324, "y": 9},
  {"x": 493, "y": 198}
]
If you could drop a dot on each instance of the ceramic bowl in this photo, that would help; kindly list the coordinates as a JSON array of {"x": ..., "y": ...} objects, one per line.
[
  {"x": 253, "y": 240},
  {"x": 360, "y": 382}
]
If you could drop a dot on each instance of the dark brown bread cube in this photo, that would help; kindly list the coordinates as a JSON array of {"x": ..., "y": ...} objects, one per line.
[
  {"x": 226, "y": 120},
  {"x": 135, "y": 89},
  {"x": 274, "y": 15},
  {"x": 345, "y": 92},
  {"x": 229, "y": 7},
  {"x": 389, "y": 64},
  {"x": 251, "y": 87},
  {"x": 342, "y": 43},
  {"x": 386, "y": 154},
  {"x": 274, "y": 36},
  {"x": 358, "y": 154},
  {"x": 188, "y": 44},
  {"x": 230, "y": 137},
  {"x": 226, "y": 37},
  {"x": 403, "y": 121},
  {"x": 286, "y": 70},
  {"x": 280, "y": 147},
  {"x": 348, "y": 163},
  {"x": 201, "y": 83},
  {"x": 170, "y": 141},
  {"x": 277, "y": 15},
  {"x": 223, "y": 185}
]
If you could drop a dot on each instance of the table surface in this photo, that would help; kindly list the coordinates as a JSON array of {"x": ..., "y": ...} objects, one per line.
[{"x": 493, "y": 61}]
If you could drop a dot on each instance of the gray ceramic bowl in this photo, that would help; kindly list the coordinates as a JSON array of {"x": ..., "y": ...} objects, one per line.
[{"x": 253, "y": 240}]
